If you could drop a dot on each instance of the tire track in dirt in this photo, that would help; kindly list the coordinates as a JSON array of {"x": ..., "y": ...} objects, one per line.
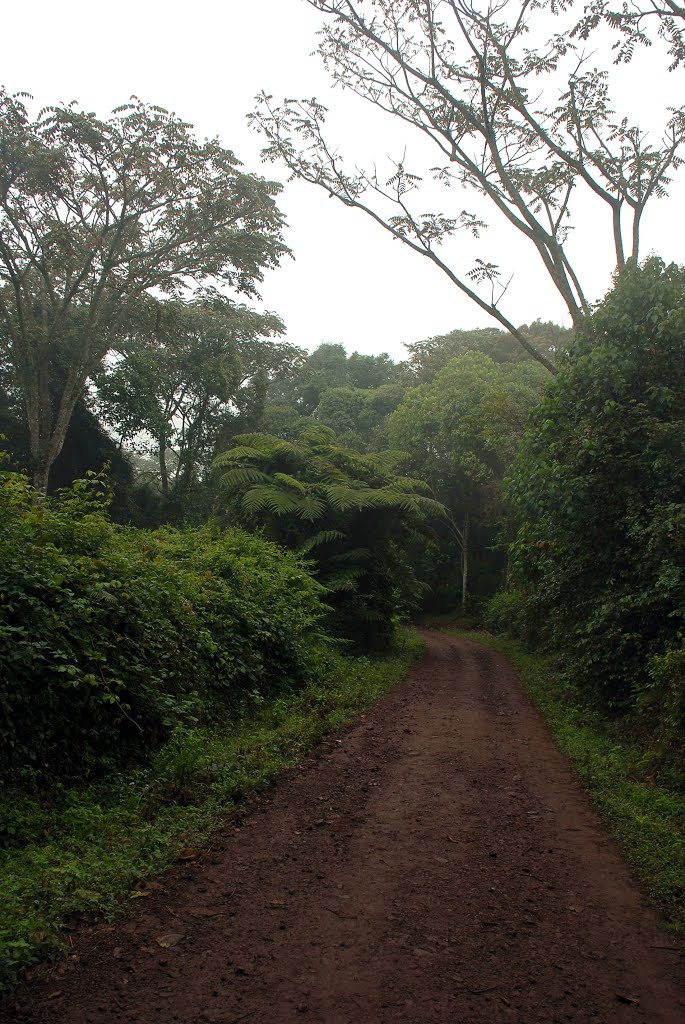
[{"x": 437, "y": 862}]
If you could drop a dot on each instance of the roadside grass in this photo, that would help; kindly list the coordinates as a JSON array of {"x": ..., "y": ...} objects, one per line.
[
  {"x": 77, "y": 853},
  {"x": 647, "y": 820}
]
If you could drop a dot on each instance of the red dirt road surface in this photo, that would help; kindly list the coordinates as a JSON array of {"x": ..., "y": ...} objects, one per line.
[{"x": 436, "y": 863}]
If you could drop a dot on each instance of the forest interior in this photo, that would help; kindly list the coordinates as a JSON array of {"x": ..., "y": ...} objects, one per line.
[{"x": 336, "y": 686}]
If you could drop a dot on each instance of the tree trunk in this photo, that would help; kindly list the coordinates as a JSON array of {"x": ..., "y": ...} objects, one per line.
[
  {"x": 465, "y": 562},
  {"x": 47, "y": 427},
  {"x": 39, "y": 479},
  {"x": 47, "y": 446},
  {"x": 163, "y": 471}
]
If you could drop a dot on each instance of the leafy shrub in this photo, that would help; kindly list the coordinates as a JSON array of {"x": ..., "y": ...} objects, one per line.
[
  {"x": 109, "y": 638},
  {"x": 662, "y": 705},
  {"x": 507, "y": 612}
]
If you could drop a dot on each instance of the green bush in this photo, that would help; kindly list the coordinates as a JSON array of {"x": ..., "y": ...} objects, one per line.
[
  {"x": 507, "y": 612},
  {"x": 110, "y": 637}
]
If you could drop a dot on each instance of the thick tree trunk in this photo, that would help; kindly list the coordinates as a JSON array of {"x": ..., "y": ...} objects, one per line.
[
  {"x": 40, "y": 478},
  {"x": 47, "y": 438}
]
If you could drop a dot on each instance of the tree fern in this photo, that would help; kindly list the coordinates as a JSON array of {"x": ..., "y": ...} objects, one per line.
[
  {"x": 346, "y": 579},
  {"x": 323, "y": 537},
  {"x": 242, "y": 476},
  {"x": 290, "y": 483},
  {"x": 270, "y": 498},
  {"x": 235, "y": 455},
  {"x": 311, "y": 507},
  {"x": 348, "y": 512}
]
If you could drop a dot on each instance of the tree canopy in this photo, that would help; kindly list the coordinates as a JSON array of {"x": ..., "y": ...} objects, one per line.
[
  {"x": 525, "y": 127},
  {"x": 96, "y": 219},
  {"x": 176, "y": 393}
]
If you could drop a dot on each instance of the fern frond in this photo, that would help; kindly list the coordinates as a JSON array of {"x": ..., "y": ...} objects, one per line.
[
  {"x": 353, "y": 555},
  {"x": 289, "y": 482},
  {"x": 342, "y": 498},
  {"x": 417, "y": 504},
  {"x": 324, "y": 470},
  {"x": 240, "y": 476},
  {"x": 346, "y": 580},
  {"x": 387, "y": 460},
  {"x": 266, "y": 496},
  {"x": 318, "y": 434},
  {"x": 410, "y": 485},
  {"x": 311, "y": 507},
  {"x": 324, "y": 537},
  {"x": 236, "y": 454},
  {"x": 270, "y": 445}
]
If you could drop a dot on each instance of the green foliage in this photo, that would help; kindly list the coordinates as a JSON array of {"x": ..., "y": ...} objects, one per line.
[
  {"x": 358, "y": 416},
  {"x": 352, "y": 514},
  {"x": 461, "y": 431},
  {"x": 506, "y": 612},
  {"x": 180, "y": 389},
  {"x": 329, "y": 367},
  {"x": 88, "y": 849},
  {"x": 598, "y": 495},
  {"x": 427, "y": 358},
  {"x": 111, "y": 637}
]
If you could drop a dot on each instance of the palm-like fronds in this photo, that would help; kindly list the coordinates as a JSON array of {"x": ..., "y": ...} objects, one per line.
[
  {"x": 236, "y": 455},
  {"x": 268, "y": 498},
  {"x": 343, "y": 497},
  {"x": 242, "y": 476},
  {"x": 290, "y": 483},
  {"x": 315, "y": 496},
  {"x": 311, "y": 507},
  {"x": 360, "y": 555},
  {"x": 323, "y": 537},
  {"x": 346, "y": 579}
]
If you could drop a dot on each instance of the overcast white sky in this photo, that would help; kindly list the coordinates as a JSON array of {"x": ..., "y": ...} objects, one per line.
[{"x": 349, "y": 282}]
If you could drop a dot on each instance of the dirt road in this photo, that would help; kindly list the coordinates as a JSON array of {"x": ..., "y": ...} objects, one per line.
[{"x": 436, "y": 863}]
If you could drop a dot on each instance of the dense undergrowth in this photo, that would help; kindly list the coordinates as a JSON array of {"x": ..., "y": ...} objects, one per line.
[
  {"x": 86, "y": 849},
  {"x": 646, "y": 819},
  {"x": 110, "y": 638},
  {"x": 596, "y": 513}
]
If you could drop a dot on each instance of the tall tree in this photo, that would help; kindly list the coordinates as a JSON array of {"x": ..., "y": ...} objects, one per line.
[
  {"x": 524, "y": 126},
  {"x": 95, "y": 216},
  {"x": 359, "y": 416},
  {"x": 329, "y": 366},
  {"x": 173, "y": 392},
  {"x": 462, "y": 431},
  {"x": 598, "y": 495}
]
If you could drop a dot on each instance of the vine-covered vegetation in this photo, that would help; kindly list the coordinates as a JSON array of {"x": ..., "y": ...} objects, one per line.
[
  {"x": 112, "y": 637},
  {"x": 597, "y": 500}
]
